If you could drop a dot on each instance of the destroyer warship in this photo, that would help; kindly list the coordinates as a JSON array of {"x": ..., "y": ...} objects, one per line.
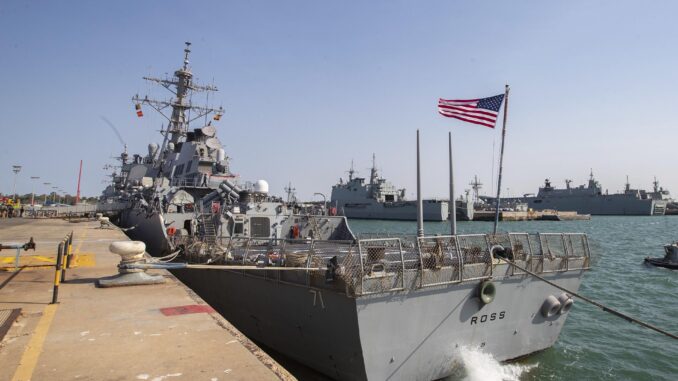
[
  {"x": 380, "y": 199},
  {"x": 591, "y": 199},
  {"x": 377, "y": 308},
  {"x": 184, "y": 187}
]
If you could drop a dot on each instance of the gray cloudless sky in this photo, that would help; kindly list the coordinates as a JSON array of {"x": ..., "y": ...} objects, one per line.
[{"x": 309, "y": 86}]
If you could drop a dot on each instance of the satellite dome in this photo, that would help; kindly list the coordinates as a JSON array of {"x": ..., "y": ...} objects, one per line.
[{"x": 261, "y": 186}]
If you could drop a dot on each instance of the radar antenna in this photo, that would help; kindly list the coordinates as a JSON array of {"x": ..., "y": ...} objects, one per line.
[
  {"x": 181, "y": 85},
  {"x": 291, "y": 197}
]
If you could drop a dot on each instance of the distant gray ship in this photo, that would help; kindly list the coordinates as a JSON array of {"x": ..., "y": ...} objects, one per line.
[
  {"x": 381, "y": 200},
  {"x": 590, "y": 199}
]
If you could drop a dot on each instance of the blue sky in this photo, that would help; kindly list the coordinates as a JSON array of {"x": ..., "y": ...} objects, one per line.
[{"x": 311, "y": 85}]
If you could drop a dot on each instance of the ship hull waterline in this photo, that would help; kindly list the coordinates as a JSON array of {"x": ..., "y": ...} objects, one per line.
[{"x": 405, "y": 335}]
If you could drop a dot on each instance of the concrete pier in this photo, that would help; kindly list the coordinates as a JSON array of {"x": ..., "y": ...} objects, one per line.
[{"x": 156, "y": 332}]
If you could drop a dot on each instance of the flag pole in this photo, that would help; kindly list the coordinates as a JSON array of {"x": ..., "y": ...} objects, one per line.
[
  {"x": 453, "y": 203},
  {"x": 420, "y": 206},
  {"x": 501, "y": 160}
]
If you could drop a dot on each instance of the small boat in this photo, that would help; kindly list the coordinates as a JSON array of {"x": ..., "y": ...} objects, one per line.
[{"x": 670, "y": 260}]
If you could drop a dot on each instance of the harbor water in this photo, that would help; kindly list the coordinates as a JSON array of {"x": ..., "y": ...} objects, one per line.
[{"x": 594, "y": 345}]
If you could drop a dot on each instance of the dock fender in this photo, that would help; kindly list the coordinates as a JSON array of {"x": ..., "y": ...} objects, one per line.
[
  {"x": 487, "y": 291},
  {"x": 566, "y": 302},
  {"x": 550, "y": 307}
]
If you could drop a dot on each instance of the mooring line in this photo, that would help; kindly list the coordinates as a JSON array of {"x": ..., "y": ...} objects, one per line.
[{"x": 599, "y": 305}]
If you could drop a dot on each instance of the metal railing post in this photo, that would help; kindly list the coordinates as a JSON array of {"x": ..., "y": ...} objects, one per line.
[
  {"x": 402, "y": 262},
  {"x": 69, "y": 259},
  {"x": 57, "y": 273}
]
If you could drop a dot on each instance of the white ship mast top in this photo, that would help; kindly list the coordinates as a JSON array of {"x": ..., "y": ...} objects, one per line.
[{"x": 181, "y": 85}]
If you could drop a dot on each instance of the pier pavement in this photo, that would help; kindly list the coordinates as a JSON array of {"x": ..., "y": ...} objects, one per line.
[{"x": 156, "y": 332}]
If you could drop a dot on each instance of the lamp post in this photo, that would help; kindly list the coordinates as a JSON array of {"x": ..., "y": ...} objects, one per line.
[
  {"x": 33, "y": 190},
  {"x": 16, "y": 169},
  {"x": 47, "y": 185}
]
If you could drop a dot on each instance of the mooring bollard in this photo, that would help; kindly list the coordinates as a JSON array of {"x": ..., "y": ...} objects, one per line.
[
  {"x": 57, "y": 273},
  {"x": 131, "y": 252}
]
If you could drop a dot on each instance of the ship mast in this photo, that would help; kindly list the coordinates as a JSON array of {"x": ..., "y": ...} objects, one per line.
[
  {"x": 476, "y": 186},
  {"x": 181, "y": 85},
  {"x": 373, "y": 172}
]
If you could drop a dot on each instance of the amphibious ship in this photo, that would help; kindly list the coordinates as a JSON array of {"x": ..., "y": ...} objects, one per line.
[
  {"x": 367, "y": 308},
  {"x": 380, "y": 199},
  {"x": 590, "y": 199}
]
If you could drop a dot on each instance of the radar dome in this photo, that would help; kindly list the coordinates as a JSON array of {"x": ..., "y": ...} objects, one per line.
[
  {"x": 261, "y": 186},
  {"x": 152, "y": 149}
]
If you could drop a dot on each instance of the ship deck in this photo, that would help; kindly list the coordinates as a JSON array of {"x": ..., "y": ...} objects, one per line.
[{"x": 157, "y": 332}]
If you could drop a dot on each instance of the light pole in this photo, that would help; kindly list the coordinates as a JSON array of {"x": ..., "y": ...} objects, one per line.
[
  {"x": 47, "y": 185},
  {"x": 16, "y": 169},
  {"x": 33, "y": 190}
]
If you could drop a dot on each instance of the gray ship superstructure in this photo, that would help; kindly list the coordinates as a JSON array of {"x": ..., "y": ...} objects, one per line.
[
  {"x": 368, "y": 308},
  {"x": 380, "y": 199},
  {"x": 591, "y": 199},
  {"x": 184, "y": 188}
]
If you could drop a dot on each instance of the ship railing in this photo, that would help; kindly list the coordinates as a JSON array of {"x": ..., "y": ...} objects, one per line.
[
  {"x": 189, "y": 182},
  {"x": 379, "y": 265}
]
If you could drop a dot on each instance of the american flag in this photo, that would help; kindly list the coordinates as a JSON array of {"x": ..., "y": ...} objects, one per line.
[{"x": 481, "y": 111}]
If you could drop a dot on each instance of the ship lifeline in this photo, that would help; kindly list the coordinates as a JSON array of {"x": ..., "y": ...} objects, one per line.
[{"x": 375, "y": 308}]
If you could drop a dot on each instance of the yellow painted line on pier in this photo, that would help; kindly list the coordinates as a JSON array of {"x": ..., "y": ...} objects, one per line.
[
  {"x": 82, "y": 239},
  {"x": 30, "y": 357},
  {"x": 84, "y": 260}
]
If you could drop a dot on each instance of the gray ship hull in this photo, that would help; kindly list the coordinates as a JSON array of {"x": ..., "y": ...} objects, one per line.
[
  {"x": 595, "y": 205},
  {"x": 403, "y": 335},
  {"x": 433, "y": 210},
  {"x": 148, "y": 227}
]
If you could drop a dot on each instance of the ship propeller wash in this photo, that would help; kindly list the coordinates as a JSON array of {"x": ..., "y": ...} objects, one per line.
[{"x": 368, "y": 308}]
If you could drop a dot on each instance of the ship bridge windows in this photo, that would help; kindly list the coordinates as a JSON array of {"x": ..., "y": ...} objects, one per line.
[
  {"x": 260, "y": 227},
  {"x": 537, "y": 201},
  {"x": 389, "y": 198}
]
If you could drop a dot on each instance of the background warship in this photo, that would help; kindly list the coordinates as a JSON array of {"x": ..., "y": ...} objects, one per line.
[
  {"x": 354, "y": 309},
  {"x": 380, "y": 199},
  {"x": 590, "y": 199}
]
